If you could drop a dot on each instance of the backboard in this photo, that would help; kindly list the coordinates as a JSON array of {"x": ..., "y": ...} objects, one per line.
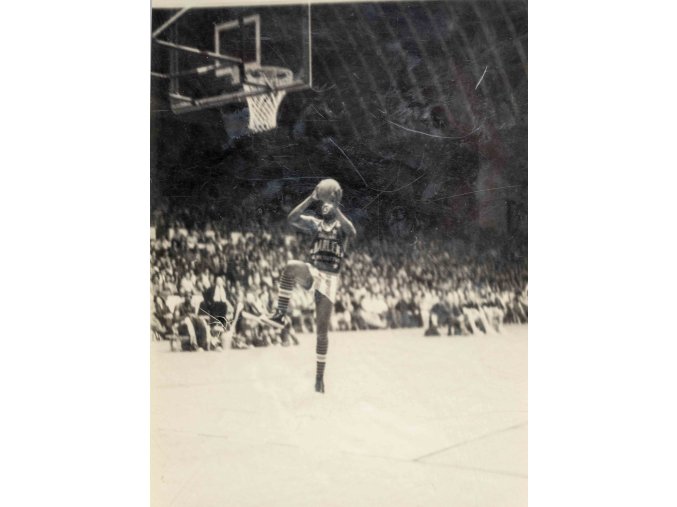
[{"x": 204, "y": 56}]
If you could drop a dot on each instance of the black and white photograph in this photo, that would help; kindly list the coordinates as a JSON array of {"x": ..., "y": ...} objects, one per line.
[
  {"x": 339, "y": 253},
  {"x": 276, "y": 253}
]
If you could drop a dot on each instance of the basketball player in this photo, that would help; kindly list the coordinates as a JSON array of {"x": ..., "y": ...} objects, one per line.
[{"x": 330, "y": 234}]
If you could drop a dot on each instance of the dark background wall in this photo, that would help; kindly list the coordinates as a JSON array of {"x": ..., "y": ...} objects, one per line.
[{"x": 396, "y": 115}]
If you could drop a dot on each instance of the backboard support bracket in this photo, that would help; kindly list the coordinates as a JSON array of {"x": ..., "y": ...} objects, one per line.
[{"x": 235, "y": 57}]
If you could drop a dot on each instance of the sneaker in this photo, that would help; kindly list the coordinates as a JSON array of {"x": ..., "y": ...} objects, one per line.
[
  {"x": 278, "y": 320},
  {"x": 319, "y": 385}
]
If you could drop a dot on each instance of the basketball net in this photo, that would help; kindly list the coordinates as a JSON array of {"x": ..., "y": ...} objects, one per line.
[{"x": 263, "y": 106}]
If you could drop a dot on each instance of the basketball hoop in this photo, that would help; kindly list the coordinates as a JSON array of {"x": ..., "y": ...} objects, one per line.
[{"x": 263, "y": 97}]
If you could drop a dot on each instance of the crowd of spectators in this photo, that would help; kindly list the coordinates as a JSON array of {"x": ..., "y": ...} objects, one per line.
[{"x": 442, "y": 286}]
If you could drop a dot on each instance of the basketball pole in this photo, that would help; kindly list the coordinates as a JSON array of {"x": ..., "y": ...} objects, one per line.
[
  {"x": 169, "y": 22},
  {"x": 240, "y": 23},
  {"x": 310, "y": 50},
  {"x": 195, "y": 51}
]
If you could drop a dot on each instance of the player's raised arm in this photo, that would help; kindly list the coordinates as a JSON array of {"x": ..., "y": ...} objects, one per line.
[
  {"x": 296, "y": 217},
  {"x": 346, "y": 223}
]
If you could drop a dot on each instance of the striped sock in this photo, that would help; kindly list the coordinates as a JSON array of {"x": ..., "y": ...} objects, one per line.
[
  {"x": 322, "y": 346},
  {"x": 286, "y": 287}
]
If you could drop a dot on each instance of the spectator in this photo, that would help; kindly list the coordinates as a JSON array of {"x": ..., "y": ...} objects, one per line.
[
  {"x": 194, "y": 333},
  {"x": 169, "y": 287},
  {"x": 187, "y": 284},
  {"x": 492, "y": 307},
  {"x": 341, "y": 319},
  {"x": 184, "y": 309},
  {"x": 427, "y": 300},
  {"x": 386, "y": 283},
  {"x": 373, "y": 310},
  {"x": 162, "y": 317},
  {"x": 456, "y": 320},
  {"x": 519, "y": 308},
  {"x": 216, "y": 301},
  {"x": 437, "y": 317},
  {"x": 204, "y": 281}
]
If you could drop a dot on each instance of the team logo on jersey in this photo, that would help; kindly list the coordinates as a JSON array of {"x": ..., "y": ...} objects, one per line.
[{"x": 327, "y": 249}]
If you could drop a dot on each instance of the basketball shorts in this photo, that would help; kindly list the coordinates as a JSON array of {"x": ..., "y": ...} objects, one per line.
[{"x": 323, "y": 282}]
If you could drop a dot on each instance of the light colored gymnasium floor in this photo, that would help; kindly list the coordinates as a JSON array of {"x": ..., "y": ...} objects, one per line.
[{"x": 406, "y": 421}]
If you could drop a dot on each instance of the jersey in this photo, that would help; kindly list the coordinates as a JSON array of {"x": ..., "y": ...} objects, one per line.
[
  {"x": 329, "y": 242},
  {"x": 328, "y": 248}
]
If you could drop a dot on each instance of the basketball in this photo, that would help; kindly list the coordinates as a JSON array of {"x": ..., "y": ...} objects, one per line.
[{"x": 329, "y": 190}]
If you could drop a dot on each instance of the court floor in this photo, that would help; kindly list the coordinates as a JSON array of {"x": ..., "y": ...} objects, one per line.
[{"x": 405, "y": 421}]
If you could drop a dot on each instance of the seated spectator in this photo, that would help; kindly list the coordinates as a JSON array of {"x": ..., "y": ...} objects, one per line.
[
  {"x": 294, "y": 311},
  {"x": 191, "y": 240},
  {"x": 308, "y": 311},
  {"x": 426, "y": 302},
  {"x": 493, "y": 309},
  {"x": 204, "y": 280},
  {"x": 187, "y": 285},
  {"x": 158, "y": 332},
  {"x": 250, "y": 327},
  {"x": 474, "y": 318},
  {"x": 415, "y": 308},
  {"x": 161, "y": 318},
  {"x": 248, "y": 322},
  {"x": 239, "y": 342},
  {"x": 439, "y": 316},
  {"x": 217, "y": 266},
  {"x": 456, "y": 322},
  {"x": 403, "y": 312},
  {"x": 184, "y": 309},
  {"x": 384, "y": 283},
  {"x": 257, "y": 334},
  {"x": 433, "y": 327},
  {"x": 518, "y": 308},
  {"x": 194, "y": 333},
  {"x": 268, "y": 336},
  {"x": 216, "y": 301},
  {"x": 392, "y": 316},
  {"x": 355, "y": 309},
  {"x": 169, "y": 287},
  {"x": 341, "y": 319},
  {"x": 373, "y": 310},
  {"x": 266, "y": 299}
]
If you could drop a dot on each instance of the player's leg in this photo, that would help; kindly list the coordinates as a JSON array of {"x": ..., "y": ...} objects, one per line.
[
  {"x": 323, "y": 309},
  {"x": 294, "y": 271}
]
